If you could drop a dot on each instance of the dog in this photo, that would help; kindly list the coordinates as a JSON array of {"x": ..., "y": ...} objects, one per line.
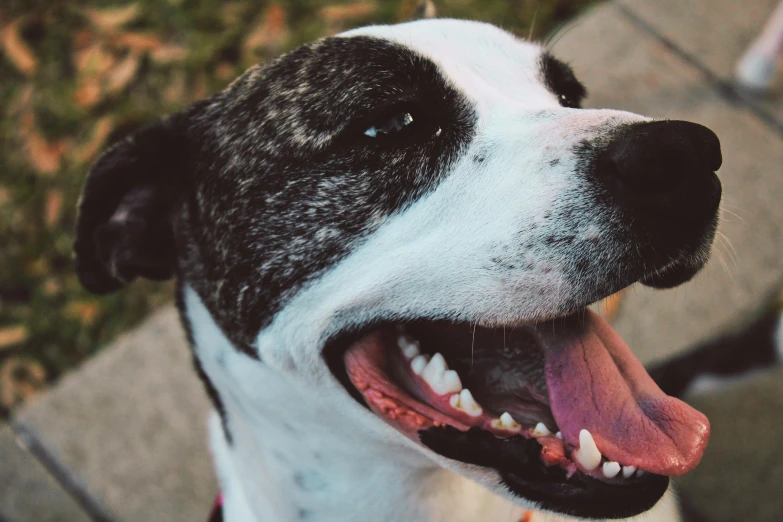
[{"x": 385, "y": 243}]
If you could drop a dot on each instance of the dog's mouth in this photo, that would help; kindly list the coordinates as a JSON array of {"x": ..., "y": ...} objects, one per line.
[{"x": 562, "y": 409}]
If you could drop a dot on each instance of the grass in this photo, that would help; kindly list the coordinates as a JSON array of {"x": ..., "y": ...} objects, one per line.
[{"x": 75, "y": 77}]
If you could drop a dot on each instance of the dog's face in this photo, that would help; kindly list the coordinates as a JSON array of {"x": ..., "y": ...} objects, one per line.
[{"x": 366, "y": 202}]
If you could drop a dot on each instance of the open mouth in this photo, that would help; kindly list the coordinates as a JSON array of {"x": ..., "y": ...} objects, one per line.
[{"x": 562, "y": 409}]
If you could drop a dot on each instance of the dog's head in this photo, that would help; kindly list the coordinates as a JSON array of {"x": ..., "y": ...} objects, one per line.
[{"x": 405, "y": 213}]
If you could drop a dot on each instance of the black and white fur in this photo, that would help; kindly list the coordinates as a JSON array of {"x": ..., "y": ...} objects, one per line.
[{"x": 286, "y": 225}]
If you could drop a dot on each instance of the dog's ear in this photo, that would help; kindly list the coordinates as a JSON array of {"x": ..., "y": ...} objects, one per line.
[
  {"x": 426, "y": 9},
  {"x": 124, "y": 227}
]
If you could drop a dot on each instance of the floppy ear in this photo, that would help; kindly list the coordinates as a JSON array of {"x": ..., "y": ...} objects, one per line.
[
  {"x": 425, "y": 9},
  {"x": 124, "y": 227}
]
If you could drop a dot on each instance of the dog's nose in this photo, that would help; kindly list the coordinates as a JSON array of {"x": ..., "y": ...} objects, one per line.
[{"x": 664, "y": 165}]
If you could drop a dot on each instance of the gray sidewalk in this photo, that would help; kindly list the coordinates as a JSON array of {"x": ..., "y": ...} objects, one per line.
[{"x": 124, "y": 438}]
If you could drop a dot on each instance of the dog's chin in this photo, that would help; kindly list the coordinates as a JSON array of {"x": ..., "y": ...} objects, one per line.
[
  {"x": 561, "y": 410},
  {"x": 672, "y": 276}
]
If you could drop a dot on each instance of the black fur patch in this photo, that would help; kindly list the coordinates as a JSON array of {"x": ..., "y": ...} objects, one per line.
[
  {"x": 560, "y": 80},
  {"x": 254, "y": 192},
  {"x": 283, "y": 181}
]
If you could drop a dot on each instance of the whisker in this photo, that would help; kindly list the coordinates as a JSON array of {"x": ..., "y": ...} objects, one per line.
[{"x": 533, "y": 22}]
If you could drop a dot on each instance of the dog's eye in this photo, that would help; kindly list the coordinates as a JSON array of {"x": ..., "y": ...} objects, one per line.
[
  {"x": 399, "y": 123},
  {"x": 570, "y": 102},
  {"x": 390, "y": 125}
]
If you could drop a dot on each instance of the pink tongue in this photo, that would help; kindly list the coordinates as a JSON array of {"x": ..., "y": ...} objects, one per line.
[{"x": 596, "y": 383}]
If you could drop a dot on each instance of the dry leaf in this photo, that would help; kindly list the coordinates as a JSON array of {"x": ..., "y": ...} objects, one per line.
[
  {"x": 88, "y": 93},
  {"x": 123, "y": 74},
  {"x": 98, "y": 135},
  {"x": 54, "y": 204},
  {"x": 20, "y": 381},
  {"x": 168, "y": 53},
  {"x": 44, "y": 156},
  {"x": 269, "y": 33},
  {"x": 340, "y": 13},
  {"x": 138, "y": 42},
  {"x": 17, "y": 52},
  {"x": 112, "y": 18},
  {"x": 12, "y": 335},
  {"x": 84, "y": 311}
]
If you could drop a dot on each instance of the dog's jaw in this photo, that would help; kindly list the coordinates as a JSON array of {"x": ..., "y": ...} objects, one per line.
[{"x": 284, "y": 464}]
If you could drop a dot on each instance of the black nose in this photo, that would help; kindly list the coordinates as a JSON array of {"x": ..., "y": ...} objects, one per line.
[{"x": 664, "y": 167}]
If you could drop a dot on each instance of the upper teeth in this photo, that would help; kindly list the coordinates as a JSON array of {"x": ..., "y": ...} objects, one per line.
[
  {"x": 418, "y": 364},
  {"x": 409, "y": 347},
  {"x": 588, "y": 455},
  {"x": 439, "y": 377},
  {"x": 464, "y": 401},
  {"x": 506, "y": 422}
]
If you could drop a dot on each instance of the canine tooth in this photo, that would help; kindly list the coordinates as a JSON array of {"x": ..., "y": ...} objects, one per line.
[
  {"x": 587, "y": 454},
  {"x": 628, "y": 471},
  {"x": 506, "y": 422},
  {"x": 541, "y": 430},
  {"x": 409, "y": 347},
  {"x": 468, "y": 404},
  {"x": 611, "y": 469},
  {"x": 559, "y": 435},
  {"x": 418, "y": 364}
]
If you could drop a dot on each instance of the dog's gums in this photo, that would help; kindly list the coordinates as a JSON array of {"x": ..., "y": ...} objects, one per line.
[{"x": 570, "y": 385}]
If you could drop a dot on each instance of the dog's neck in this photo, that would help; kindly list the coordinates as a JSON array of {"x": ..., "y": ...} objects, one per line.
[{"x": 291, "y": 455}]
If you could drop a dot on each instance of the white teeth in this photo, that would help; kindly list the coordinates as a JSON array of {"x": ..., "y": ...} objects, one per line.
[
  {"x": 409, "y": 347},
  {"x": 611, "y": 469},
  {"x": 418, "y": 364},
  {"x": 628, "y": 471},
  {"x": 439, "y": 377},
  {"x": 506, "y": 422},
  {"x": 541, "y": 430},
  {"x": 640, "y": 472},
  {"x": 559, "y": 435},
  {"x": 435, "y": 368},
  {"x": 464, "y": 401},
  {"x": 450, "y": 382},
  {"x": 587, "y": 454}
]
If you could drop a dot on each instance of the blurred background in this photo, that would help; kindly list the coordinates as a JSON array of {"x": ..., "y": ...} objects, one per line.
[
  {"x": 76, "y": 76},
  {"x": 101, "y": 415}
]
